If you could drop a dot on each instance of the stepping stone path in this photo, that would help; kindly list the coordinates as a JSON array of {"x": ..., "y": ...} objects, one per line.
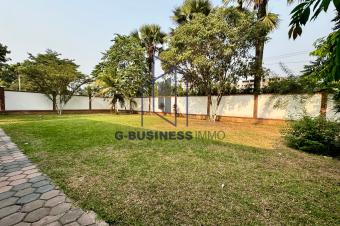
[{"x": 29, "y": 198}]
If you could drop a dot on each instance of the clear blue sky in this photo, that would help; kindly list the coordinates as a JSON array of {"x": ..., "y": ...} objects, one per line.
[{"x": 82, "y": 29}]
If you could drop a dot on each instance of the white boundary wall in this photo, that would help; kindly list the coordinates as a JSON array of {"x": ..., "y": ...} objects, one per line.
[
  {"x": 288, "y": 106},
  {"x": 17, "y": 101},
  {"x": 269, "y": 106}
]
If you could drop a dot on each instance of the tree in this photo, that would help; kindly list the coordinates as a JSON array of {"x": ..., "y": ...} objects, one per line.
[
  {"x": 152, "y": 39},
  {"x": 267, "y": 22},
  {"x": 319, "y": 72},
  {"x": 59, "y": 79},
  {"x": 3, "y": 55},
  {"x": 212, "y": 51},
  {"x": 121, "y": 74},
  {"x": 6, "y": 75},
  {"x": 185, "y": 12},
  {"x": 309, "y": 10}
]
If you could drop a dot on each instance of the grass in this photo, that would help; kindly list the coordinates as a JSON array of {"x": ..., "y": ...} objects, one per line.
[{"x": 249, "y": 178}]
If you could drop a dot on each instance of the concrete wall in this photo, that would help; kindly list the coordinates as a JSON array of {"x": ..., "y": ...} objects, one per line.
[
  {"x": 16, "y": 101},
  {"x": 269, "y": 106},
  {"x": 77, "y": 102},
  {"x": 288, "y": 106},
  {"x": 331, "y": 113}
]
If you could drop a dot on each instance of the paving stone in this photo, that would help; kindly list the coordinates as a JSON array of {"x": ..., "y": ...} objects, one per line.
[
  {"x": 8, "y": 210},
  {"x": 71, "y": 216},
  {"x": 61, "y": 208},
  {"x": 14, "y": 173},
  {"x": 23, "y": 224},
  {"x": 5, "y": 188},
  {"x": 44, "y": 189},
  {"x": 12, "y": 219},
  {"x": 102, "y": 223},
  {"x": 3, "y": 178},
  {"x": 50, "y": 194},
  {"x": 56, "y": 223},
  {"x": 8, "y": 202},
  {"x": 87, "y": 219},
  {"x": 17, "y": 177},
  {"x": 24, "y": 192},
  {"x": 21, "y": 186},
  {"x": 6, "y": 195},
  {"x": 40, "y": 183},
  {"x": 17, "y": 182},
  {"x": 72, "y": 224},
  {"x": 46, "y": 220},
  {"x": 33, "y": 175},
  {"x": 33, "y": 206},
  {"x": 36, "y": 215},
  {"x": 4, "y": 183},
  {"x": 55, "y": 201},
  {"x": 38, "y": 178},
  {"x": 31, "y": 171},
  {"x": 28, "y": 168},
  {"x": 28, "y": 198}
]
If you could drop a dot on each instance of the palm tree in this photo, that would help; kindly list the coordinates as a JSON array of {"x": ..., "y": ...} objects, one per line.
[
  {"x": 268, "y": 22},
  {"x": 152, "y": 39},
  {"x": 186, "y": 12}
]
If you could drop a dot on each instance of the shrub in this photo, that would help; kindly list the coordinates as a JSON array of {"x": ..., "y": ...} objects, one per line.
[{"x": 315, "y": 135}]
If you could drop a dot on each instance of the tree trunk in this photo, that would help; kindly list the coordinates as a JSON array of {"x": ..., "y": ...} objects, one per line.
[
  {"x": 258, "y": 66},
  {"x": 324, "y": 99},
  {"x": 60, "y": 108},
  {"x": 209, "y": 106},
  {"x": 218, "y": 101},
  {"x": 54, "y": 100},
  {"x": 259, "y": 49},
  {"x": 152, "y": 76}
]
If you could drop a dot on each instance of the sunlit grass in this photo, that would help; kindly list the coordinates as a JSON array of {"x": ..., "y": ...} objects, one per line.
[{"x": 248, "y": 178}]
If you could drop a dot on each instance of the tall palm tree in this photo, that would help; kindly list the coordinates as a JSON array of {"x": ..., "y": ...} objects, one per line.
[
  {"x": 152, "y": 38},
  {"x": 186, "y": 12},
  {"x": 268, "y": 21}
]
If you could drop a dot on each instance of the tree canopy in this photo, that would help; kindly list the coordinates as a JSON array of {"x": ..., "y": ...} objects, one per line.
[
  {"x": 212, "y": 51},
  {"x": 189, "y": 8},
  {"x": 3, "y": 55},
  {"x": 54, "y": 76},
  {"x": 121, "y": 74}
]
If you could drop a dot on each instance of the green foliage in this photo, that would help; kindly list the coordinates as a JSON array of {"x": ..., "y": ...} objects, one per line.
[
  {"x": 8, "y": 75},
  {"x": 321, "y": 70},
  {"x": 266, "y": 22},
  {"x": 289, "y": 85},
  {"x": 3, "y": 55},
  {"x": 53, "y": 76},
  {"x": 189, "y": 8},
  {"x": 314, "y": 135},
  {"x": 212, "y": 51},
  {"x": 310, "y": 10},
  {"x": 152, "y": 38},
  {"x": 322, "y": 73},
  {"x": 122, "y": 71}
]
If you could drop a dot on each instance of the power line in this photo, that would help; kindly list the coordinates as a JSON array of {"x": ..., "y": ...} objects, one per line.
[
  {"x": 288, "y": 54},
  {"x": 291, "y": 62},
  {"x": 285, "y": 57}
]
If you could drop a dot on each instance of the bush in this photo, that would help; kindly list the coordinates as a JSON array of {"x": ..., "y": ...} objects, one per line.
[{"x": 315, "y": 135}]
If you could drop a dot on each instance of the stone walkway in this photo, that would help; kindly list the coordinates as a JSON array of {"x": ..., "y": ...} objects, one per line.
[{"x": 29, "y": 198}]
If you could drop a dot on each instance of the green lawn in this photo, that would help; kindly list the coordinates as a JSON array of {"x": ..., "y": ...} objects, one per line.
[{"x": 180, "y": 182}]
